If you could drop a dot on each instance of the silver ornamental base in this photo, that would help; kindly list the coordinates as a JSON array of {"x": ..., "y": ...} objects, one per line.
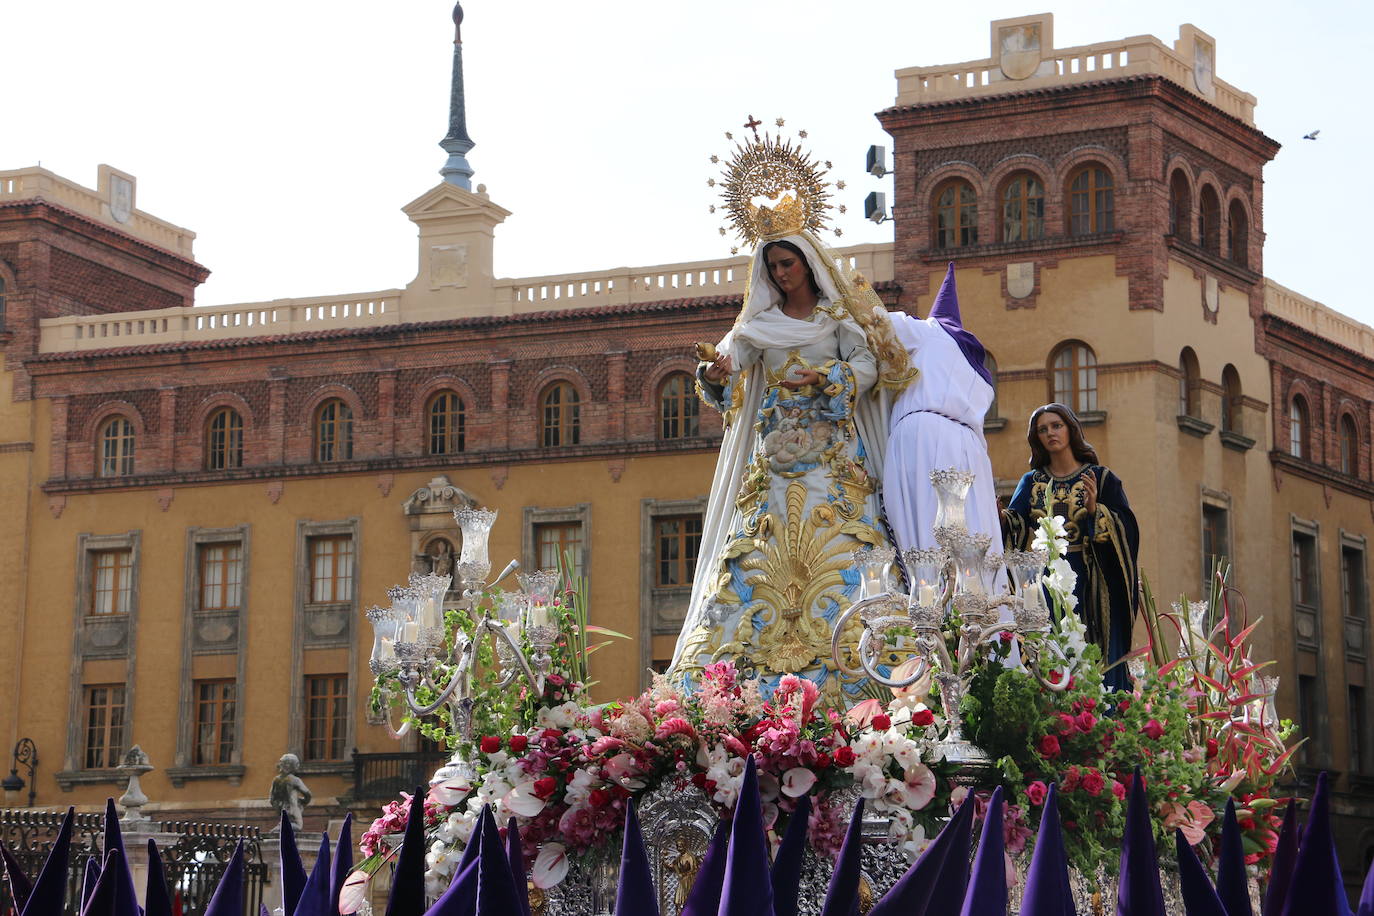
[{"x": 678, "y": 822}]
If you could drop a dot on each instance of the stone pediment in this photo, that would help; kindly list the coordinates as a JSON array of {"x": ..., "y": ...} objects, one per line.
[
  {"x": 439, "y": 495},
  {"x": 447, "y": 201}
]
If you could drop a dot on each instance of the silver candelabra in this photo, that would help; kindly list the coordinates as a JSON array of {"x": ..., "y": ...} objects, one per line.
[
  {"x": 951, "y": 615},
  {"x": 409, "y": 635}
]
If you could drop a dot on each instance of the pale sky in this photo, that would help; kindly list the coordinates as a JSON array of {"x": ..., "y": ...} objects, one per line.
[{"x": 288, "y": 134}]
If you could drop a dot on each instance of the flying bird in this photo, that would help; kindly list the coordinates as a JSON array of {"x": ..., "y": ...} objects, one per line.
[{"x": 1311, "y": 136}]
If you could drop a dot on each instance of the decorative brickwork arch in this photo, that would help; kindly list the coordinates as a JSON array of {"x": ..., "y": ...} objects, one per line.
[
  {"x": 1209, "y": 214},
  {"x": 1348, "y": 439},
  {"x": 1297, "y": 423},
  {"x": 334, "y": 433},
  {"x": 933, "y": 185},
  {"x": 419, "y": 434},
  {"x": 1090, "y": 208},
  {"x": 205, "y": 412},
  {"x": 1182, "y": 190},
  {"x": 1238, "y": 222},
  {"x": 115, "y": 432}
]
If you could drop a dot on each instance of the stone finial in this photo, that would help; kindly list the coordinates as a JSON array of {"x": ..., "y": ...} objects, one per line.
[
  {"x": 134, "y": 764},
  {"x": 289, "y": 793},
  {"x": 457, "y": 143}
]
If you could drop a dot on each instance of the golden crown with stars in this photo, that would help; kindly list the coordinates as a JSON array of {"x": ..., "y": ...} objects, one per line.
[{"x": 772, "y": 168}]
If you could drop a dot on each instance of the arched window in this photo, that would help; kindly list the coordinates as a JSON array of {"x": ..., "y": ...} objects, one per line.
[
  {"x": 1350, "y": 445},
  {"x": 990, "y": 363},
  {"x": 334, "y": 431},
  {"x": 1023, "y": 208},
  {"x": 1091, "y": 201},
  {"x": 678, "y": 408},
  {"x": 1180, "y": 205},
  {"x": 956, "y": 215},
  {"x": 1230, "y": 400},
  {"x": 1297, "y": 427},
  {"x": 1209, "y": 219},
  {"x": 117, "y": 447},
  {"x": 1238, "y": 229},
  {"x": 1189, "y": 383},
  {"x": 1074, "y": 376},
  {"x": 447, "y": 424},
  {"x": 562, "y": 415},
  {"x": 224, "y": 440}
]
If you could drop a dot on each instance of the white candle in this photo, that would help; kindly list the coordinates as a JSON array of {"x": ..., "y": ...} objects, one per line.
[
  {"x": 430, "y": 615},
  {"x": 539, "y": 615},
  {"x": 411, "y": 632},
  {"x": 926, "y": 595},
  {"x": 388, "y": 650}
]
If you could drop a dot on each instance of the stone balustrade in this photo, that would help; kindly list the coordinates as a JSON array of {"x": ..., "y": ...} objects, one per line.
[
  {"x": 1142, "y": 54},
  {"x": 1319, "y": 319},
  {"x": 218, "y": 322},
  {"x": 41, "y": 184},
  {"x": 622, "y": 286}
]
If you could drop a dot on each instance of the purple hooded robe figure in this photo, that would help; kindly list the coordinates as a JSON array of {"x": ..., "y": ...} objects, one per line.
[{"x": 937, "y": 422}]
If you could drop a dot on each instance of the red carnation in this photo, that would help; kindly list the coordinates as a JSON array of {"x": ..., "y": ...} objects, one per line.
[
  {"x": 490, "y": 744},
  {"x": 1153, "y": 730},
  {"x": 844, "y": 756},
  {"x": 518, "y": 743},
  {"x": 545, "y": 787},
  {"x": 1049, "y": 746},
  {"x": 882, "y": 722},
  {"x": 922, "y": 717}
]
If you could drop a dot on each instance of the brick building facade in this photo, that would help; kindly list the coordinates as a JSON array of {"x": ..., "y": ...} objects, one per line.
[{"x": 211, "y": 496}]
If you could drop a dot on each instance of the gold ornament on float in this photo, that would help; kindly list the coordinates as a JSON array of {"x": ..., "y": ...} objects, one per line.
[{"x": 771, "y": 187}]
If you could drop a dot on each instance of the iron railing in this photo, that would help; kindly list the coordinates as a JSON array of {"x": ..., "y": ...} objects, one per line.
[{"x": 383, "y": 777}]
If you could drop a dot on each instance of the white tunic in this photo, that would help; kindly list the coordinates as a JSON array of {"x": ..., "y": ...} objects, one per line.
[{"x": 937, "y": 422}]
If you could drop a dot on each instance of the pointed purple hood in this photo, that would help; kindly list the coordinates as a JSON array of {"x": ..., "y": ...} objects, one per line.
[
  {"x": 157, "y": 899},
  {"x": 228, "y": 899},
  {"x": 787, "y": 864},
  {"x": 987, "y": 886},
  {"x": 1199, "y": 897},
  {"x": 842, "y": 897},
  {"x": 745, "y": 891},
  {"x": 49, "y": 892},
  {"x": 1138, "y": 892},
  {"x": 946, "y": 312},
  {"x": 1047, "y": 882},
  {"x": 20, "y": 885},
  {"x": 635, "y": 895},
  {"x": 1285, "y": 857},
  {"x": 1233, "y": 884}
]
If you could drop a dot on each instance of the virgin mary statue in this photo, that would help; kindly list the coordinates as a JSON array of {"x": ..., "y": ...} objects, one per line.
[{"x": 802, "y": 381}]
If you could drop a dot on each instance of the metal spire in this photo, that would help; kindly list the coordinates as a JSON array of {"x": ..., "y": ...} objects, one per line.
[{"x": 457, "y": 170}]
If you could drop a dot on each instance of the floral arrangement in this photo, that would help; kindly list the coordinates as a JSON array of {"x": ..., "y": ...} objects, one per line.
[
  {"x": 1198, "y": 723},
  {"x": 567, "y": 779}
]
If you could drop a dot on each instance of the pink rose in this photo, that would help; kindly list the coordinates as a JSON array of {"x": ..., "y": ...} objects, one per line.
[
  {"x": 1093, "y": 783},
  {"x": 1036, "y": 792},
  {"x": 1067, "y": 725},
  {"x": 1049, "y": 746},
  {"x": 1153, "y": 730},
  {"x": 1085, "y": 721}
]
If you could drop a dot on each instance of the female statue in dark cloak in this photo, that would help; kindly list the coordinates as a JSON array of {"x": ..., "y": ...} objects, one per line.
[{"x": 1066, "y": 479}]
